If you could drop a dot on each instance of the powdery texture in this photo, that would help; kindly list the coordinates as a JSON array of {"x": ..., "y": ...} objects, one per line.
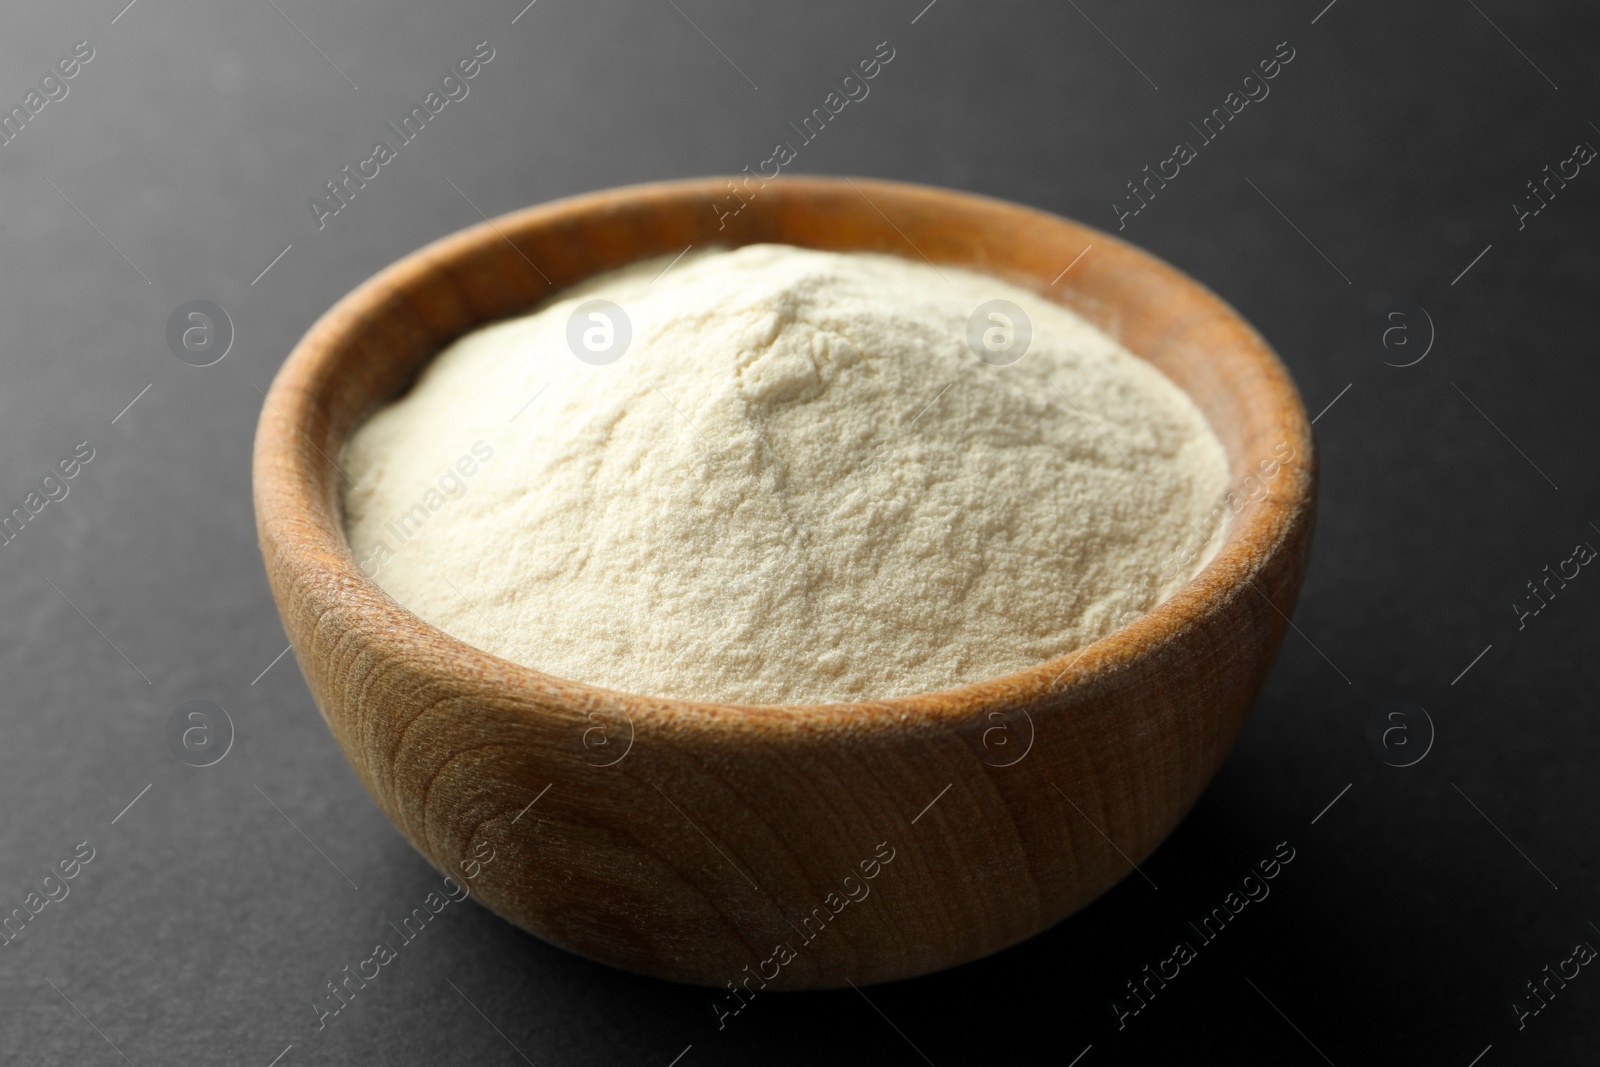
[{"x": 799, "y": 485}]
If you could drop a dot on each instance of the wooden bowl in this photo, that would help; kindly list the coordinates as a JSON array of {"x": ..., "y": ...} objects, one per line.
[{"x": 778, "y": 846}]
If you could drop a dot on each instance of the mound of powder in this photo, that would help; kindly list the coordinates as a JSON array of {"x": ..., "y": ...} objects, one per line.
[{"x": 798, "y": 484}]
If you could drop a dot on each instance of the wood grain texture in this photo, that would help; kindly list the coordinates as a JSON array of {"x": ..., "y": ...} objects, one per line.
[{"x": 723, "y": 832}]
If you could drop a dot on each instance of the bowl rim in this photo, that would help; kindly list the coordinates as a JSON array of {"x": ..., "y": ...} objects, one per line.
[{"x": 304, "y": 542}]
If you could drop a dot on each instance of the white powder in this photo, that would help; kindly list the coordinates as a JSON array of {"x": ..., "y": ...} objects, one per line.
[{"x": 798, "y": 485}]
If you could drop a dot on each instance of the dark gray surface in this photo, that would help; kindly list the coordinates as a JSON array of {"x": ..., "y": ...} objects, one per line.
[{"x": 1396, "y": 142}]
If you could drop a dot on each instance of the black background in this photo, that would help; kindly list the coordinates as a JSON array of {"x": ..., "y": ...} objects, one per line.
[{"x": 1396, "y": 141}]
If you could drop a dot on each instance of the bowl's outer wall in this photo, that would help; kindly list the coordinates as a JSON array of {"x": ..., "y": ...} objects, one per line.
[{"x": 717, "y": 848}]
